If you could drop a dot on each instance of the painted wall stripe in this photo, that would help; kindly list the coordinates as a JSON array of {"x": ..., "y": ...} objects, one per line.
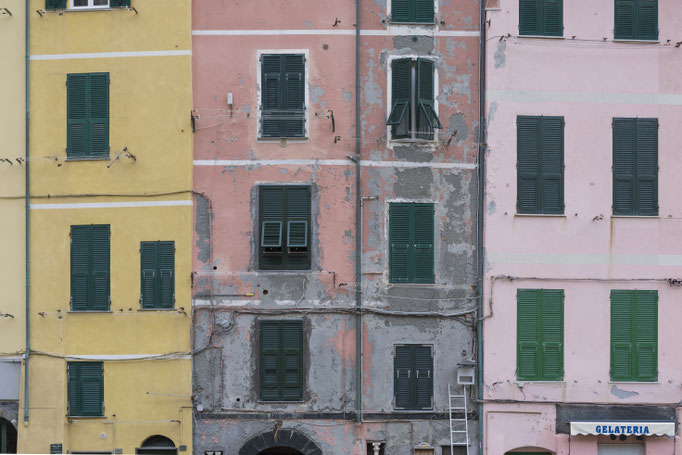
[
  {"x": 110, "y": 55},
  {"x": 666, "y": 260},
  {"x": 531, "y": 96},
  {"x": 397, "y": 31},
  {"x": 394, "y": 164},
  {"x": 110, "y": 205}
]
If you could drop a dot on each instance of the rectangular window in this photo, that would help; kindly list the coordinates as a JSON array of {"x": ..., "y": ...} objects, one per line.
[
  {"x": 417, "y": 11},
  {"x": 540, "y": 334},
  {"x": 87, "y": 115},
  {"x": 85, "y": 389},
  {"x": 413, "y": 378},
  {"x": 410, "y": 233},
  {"x": 636, "y": 19},
  {"x": 90, "y": 3},
  {"x": 540, "y": 165},
  {"x": 541, "y": 17},
  {"x": 635, "y": 166},
  {"x": 281, "y": 360},
  {"x": 90, "y": 268},
  {"x": 157, "y": 274},
  {"x": 634, "y": 335},
  {"x": 282, "y": 95},
  {"x": 284, "y": 227},
  {"x": 413, "y": 114}
]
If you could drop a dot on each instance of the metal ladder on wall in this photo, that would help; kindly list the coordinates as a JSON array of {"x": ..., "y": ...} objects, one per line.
[{"x": 458, "y": 403}]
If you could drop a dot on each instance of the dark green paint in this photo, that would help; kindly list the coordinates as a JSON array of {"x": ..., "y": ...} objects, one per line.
[
  {"x": 417, "y": 11},
  {"x": 541, "y": 17},
  {"x": 87, "y": 115},
  {"x": 636, "y": 20},
  {"x": 157, "y": 274},
  {"x": 85, "y": 389},
  {"x": 90, "y": 263},
  {"x": 281, "y": 360},
  {"x": 413, "y": 377},
  {"x": 411, "y": 240},
  {"x": 283, "y": 95}
]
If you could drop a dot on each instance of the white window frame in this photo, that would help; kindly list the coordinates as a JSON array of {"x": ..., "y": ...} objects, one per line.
[
  {"x": 90, "y": 5},
  {"x": 306, "y": 105},
  {"x": 389, "y": 97}
]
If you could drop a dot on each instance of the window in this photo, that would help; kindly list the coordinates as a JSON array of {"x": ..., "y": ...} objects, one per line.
[
  {"x": 541, "y": 17},
  {"x": 284, "y": 227},
  {"x": 635, "y": 166},
  {"x": 281, "y": 362},
  {"x": 413, "y": 115},
  {"x": 282, "y": 95},
  {"x": 410, "y": 233},
  {"x": 636, "y": 19},
  {"x": 86, "y": 4},
  {"x": 540, "y": 165},
  {"x": 462, "y": 450},
  {"x": 540, "y": 334},
  {"x": 157, "y": 274},
  {"x": 420, "y": 11},
  {"x": 413, "y": 386},
  {"x": 634, "y": 335},
  {"x": 90, "y": 268},
  {"x": 85, "y": 388},
  {"x": 87, "y": 115}
]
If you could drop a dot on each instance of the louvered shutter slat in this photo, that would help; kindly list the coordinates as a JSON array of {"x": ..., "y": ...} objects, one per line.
[
  {"x": 292, "y": 360},
  {"x": 100, "y": 267},
  {"x": 423, "y": 243},
  {"x": 646, "y": 335},
  {"x": 552, "y": 165},
  {"x": 623, "y": 166},
  {"x": 621, "y": 335},
  {"x": 647, "y": 27},
  {"x": 400, "y": 242},
  {"x": 298, "y": 216},
  {"x": 149, "y": 271},
  {"x": 553, "y": 17},
  {"x": 646, "y": 169},
  {"x": 81, "y": 237},
  {"x": 272, "y": 95},
  {"x": 423, "y": 376},
  {"x": 77, "y": 115},
  {"x": 528, "y": 361},
  {"x": 529, "y": 16},
  {"x": 424, "y": 11},
  {"x": 270, "y": 370},
  {"x": 402, "y": 370},
  {"x": 401, "y": 11},
  {"x": 427, "y": 119},
  {"x": 92, "y": 388},
  {"x": 99, "y": 114},
  {"x": 625, "y": 19},
  {"x": 73, "y": 390},
  {"x": 552, "y": 334},
  {"x": 528, "y": 151},
  {"x": 294, "y": 67},
  {"x": 401, "y": 89},
  {"x": 271, "y": 210},
  {"x": 166, "y": 280}
]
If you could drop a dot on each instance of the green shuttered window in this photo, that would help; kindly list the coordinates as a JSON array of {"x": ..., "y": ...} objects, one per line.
[
  {"x": 411, "y": 237},
  {"x": 636, "y": 19},
  {"x": 282, "y": 95},
  {"x": 55, "y": 4},
  {"x": 413, "y": 377},
  {"x": 634, "y": 335},
  {"x": 281, "y": 360},
  {"x": 540, "y": 334},
  {"x": 541, "y": 17},
  {"x": 90, "y": 268},
  {"x": 420, "y": 11},
  {"x": 87, "y": 115},
  {"x": 635, "y": 166},
  {"x": 85, "y": 389},
  {"x": 284, "y": 227},
  {"x": 157, "y": 274},
  {"x": 119, "y": 3},
  {"x": 540, "y": 165}
]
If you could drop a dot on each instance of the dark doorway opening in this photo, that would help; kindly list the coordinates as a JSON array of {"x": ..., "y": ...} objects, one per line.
[
  {"x": 8, "y": 437},
  {"x": 280, "y": 451},
  {"x": 157, "y": 445}
]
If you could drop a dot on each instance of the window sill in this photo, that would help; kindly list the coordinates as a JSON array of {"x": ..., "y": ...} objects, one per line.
[
  {"x": 90, "y": 158},
  {"x": 634, "y": 382},
  {"x": 425, "y": 24},
  {"x": 541, "y": 36},
  {"x": 646, "y": 217},
  {"x": 85, "y": 417},
  {"x": 523, "y": 383},
  {"x": 281, "y": 402},
  {"x": 88, "y": 311},
  {"x": 415, "y": 411},
  {"x": 539, "y": 215},
  {"x": 633, "y": 40},
  {"x": 412, "y": 284}
]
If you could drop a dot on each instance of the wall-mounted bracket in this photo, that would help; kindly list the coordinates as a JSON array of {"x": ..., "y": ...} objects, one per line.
[
  {"x": 125, "y": 153},
  {"x": 5, "y": 11}
]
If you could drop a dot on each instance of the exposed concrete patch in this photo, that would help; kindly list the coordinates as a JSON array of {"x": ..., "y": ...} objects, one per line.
[
  {"x": 458, "y": 122},
  {"x": 411, "y": 153},
  {"x": 308, "y": 24},
  {"x": 347, "y": 95},
  {"x": 315, "y": 93},
  {"x": 492, "y": 206},
  {"x": 419, "y": 44},
  {"x": 413, "y": 183},
  {"x": 492, "y": 110},
  {"x": 500, "y": 57},
  {"x": 246, "y": 108},
  {"x": 621, "y": 393},
  {"x": 202, "y": 228}
]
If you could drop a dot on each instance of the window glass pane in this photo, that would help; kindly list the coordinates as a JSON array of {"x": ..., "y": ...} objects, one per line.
[
  {"x": 78, "y": 3},
  {"x": 620, "y": 449}
]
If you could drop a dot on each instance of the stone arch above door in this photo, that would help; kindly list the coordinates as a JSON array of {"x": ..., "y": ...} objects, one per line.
[{"x": 285, "y": 438}]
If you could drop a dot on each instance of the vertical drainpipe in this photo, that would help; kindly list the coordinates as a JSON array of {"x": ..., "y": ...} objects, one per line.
[
  {"x": 358, "y": 227},
  {"x": 479, "y": 223},
  {"x": 28, "y": 220}
]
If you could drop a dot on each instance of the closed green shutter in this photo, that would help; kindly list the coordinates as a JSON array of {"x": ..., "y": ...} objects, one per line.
[
  {"x": 646, "y": 335},
  {"x": 553, "y": 17},
  {"x": 55, "y": 4},
  {"x": 292, "y": 360},
  {"x": 88, "y": 115},
  {"x": 427, "y": 119},
  {"x": 528, "y": 164},
  {"x": 423, "y": 377},
  {"x": 271, "y": 68},
  {"x": 411, "y": 240},
  {"x": 541, "y": 17},
  {"x": 157, "y": 274},
  {"x": 552, "y": 323},
  {"x": 283, "y": 95},
  {"x": 552, "y": 165},
  {"x": 399, "y": 242},
  {"x": 119, "y": 3},
  {"x": 423, "y": 243},
  {"x": 624, "y": 166},
  {"x": 412, "y": 11},
  {"x": 271, "y": 215},
  {"x": 73, "y": 389},
  {"x": 413, "y": 377},
  {"x": 529, "y": 17},
  {"x": 636, "y": 19},
  {"x": 401, "y": 89},
  {"x": 402, "y": 367},
  {"x": 400, "y": 11},
  {"x": 166, "y": 274},
  {"x": 424, "y": 11},
  {"x": 646, "y": 183},
  {"x": 294, "y": 69},
  {"x": 270, "y": 360},
  {"x": 281, "y": 360},
  {"x": 99, "y": 115},
  {"x": 622, "y": 355},
  {"x": 85, "y": 388},
  {"x": 297, "y": 208},
  {"x": 528, "y": 334},
  {"x": 80, "y": 267},
  {"x": 149, "y": 270},
  {"x": 100, "y": 267},
  {"x": 647, "y": 11}
]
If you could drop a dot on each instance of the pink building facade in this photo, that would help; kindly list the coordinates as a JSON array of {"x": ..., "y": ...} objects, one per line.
[{"x": 582, "y": 228}]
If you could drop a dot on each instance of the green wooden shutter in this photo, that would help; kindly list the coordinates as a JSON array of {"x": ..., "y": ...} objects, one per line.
[
  {"x": 271, "y": 210},
  {"x": 646, "y": 168},
  {"x": 552, "y": 334},
  {"x": 270, "y": 360},
  {"x": 423, "y": 377},
  {"x": 297, "y": 208},
  {"x": 149, "y": 271},
  {"x": 402, "y": 368},
  {"x": 166, "y": 274},
  {"x": 622, "y": 355},
  {"x": 99, "y": 114},
  {"x": 529, "y": 17},
  {"x": 283, "y": 95},
  {"x": 423, "y": 243},
  {"x": 119, "y": 3},
  {"x": 427, "y": 119},
  {"x": 100, "y": 267},
  {"x": 80, "y": 267},
  {"x": 72, "y": 389},
  {"x": 399, "y": 231},
  {"x": 646, "y": 335},
  {"x": 294, "y": 99},
  {"x": 624, "y": 166},
  {"x": 400, "y": 11},
  {"x": 271, "y": 75},
  {"x": 552, "y": 165},
  {"x": 625, "y": 19},
  {"x": 528, "y": 164},
  {"x": 553, "y": 17},
  {"x": 77, "y": 136},
  {"x": 401, "y": 89},
  {"x": 528, "y": 334},
  {"x": 55, "y": 4},
  {"x": 292, "y": 360},
  {"x": 423, "y": 11},
  {"x": 92, "y": 388},
  {"x": 647, "y": 23}
]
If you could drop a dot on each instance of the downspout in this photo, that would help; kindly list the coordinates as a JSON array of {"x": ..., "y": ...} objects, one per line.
[
  {"x": 28, "y": 220},
  {"x": 358, "y": 227},
  {"x": 479, "y": 221}
]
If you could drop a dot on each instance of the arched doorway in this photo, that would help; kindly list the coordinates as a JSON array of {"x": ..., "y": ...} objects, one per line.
[
  {"x": 157, "y": 445},
  {"x": 8, "y": 437},
  {"x": 282, "y": 442}
]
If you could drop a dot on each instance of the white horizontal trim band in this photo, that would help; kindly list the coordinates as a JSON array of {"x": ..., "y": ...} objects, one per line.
[
  {"x": 126, "y": 356},
  {"x": 398, "y": 31},
  {"x": 532, "y": 96},
  {"x": 109, "y": 55},
  {"x": 110, "y": 205},
  {"x": 669, "y": 260},
  {"x": 402, "y": 164}
]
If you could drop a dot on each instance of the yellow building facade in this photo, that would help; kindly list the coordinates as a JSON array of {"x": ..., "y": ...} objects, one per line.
[{"x": 111, "y": 227}]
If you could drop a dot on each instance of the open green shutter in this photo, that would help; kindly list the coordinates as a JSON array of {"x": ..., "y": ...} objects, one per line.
[
  {"x": 646, "y": 335},
  {"x": 423, "y": 377},
  {"x": 646, "y": 167},
  {"x": 292, "y": 360},
  {"x": 622, "y": 356},
  {"x": 149, "y": 271},
  {"x": 294, "y": 98},
  {"x": 55, "y": 4},
  {"x": 528, "y": 336},
  {"x": 427, "y": 119},
  {"x": 623, "y": 166},
  {"x": 119, "y": 3},
  {"x": 166, "y": 274},
  {"x": 647, "y": 15},
  {"x": 100, "y": 267},
  {"x": 77, "y": 133},
  {"x": 270, "y": 360},
  {"x": 401, "y": 89},
  {"x": 81, "y": 269},
  {"x": 528, "y": 164},
  {"x": 271, "y": 211},
  {"x": 402, "y": 369},
  {"x": 399, "y": 238},
  {"x": 625, "y": 19},
  {"x": 552, "y": 165},
  {"x": 92, "y": 388},
  {"x": 400, "y": 11},
  {"x": 553, "y": 17},
  {"x": 73, "y": 389},
  {"x": 529, "y": 17},
  {"x": 99, "y": 114},
  {"x": 552, "y": 324},
  {"x": 423, "y": 243},
  {"x": 423, "y": 11}
]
